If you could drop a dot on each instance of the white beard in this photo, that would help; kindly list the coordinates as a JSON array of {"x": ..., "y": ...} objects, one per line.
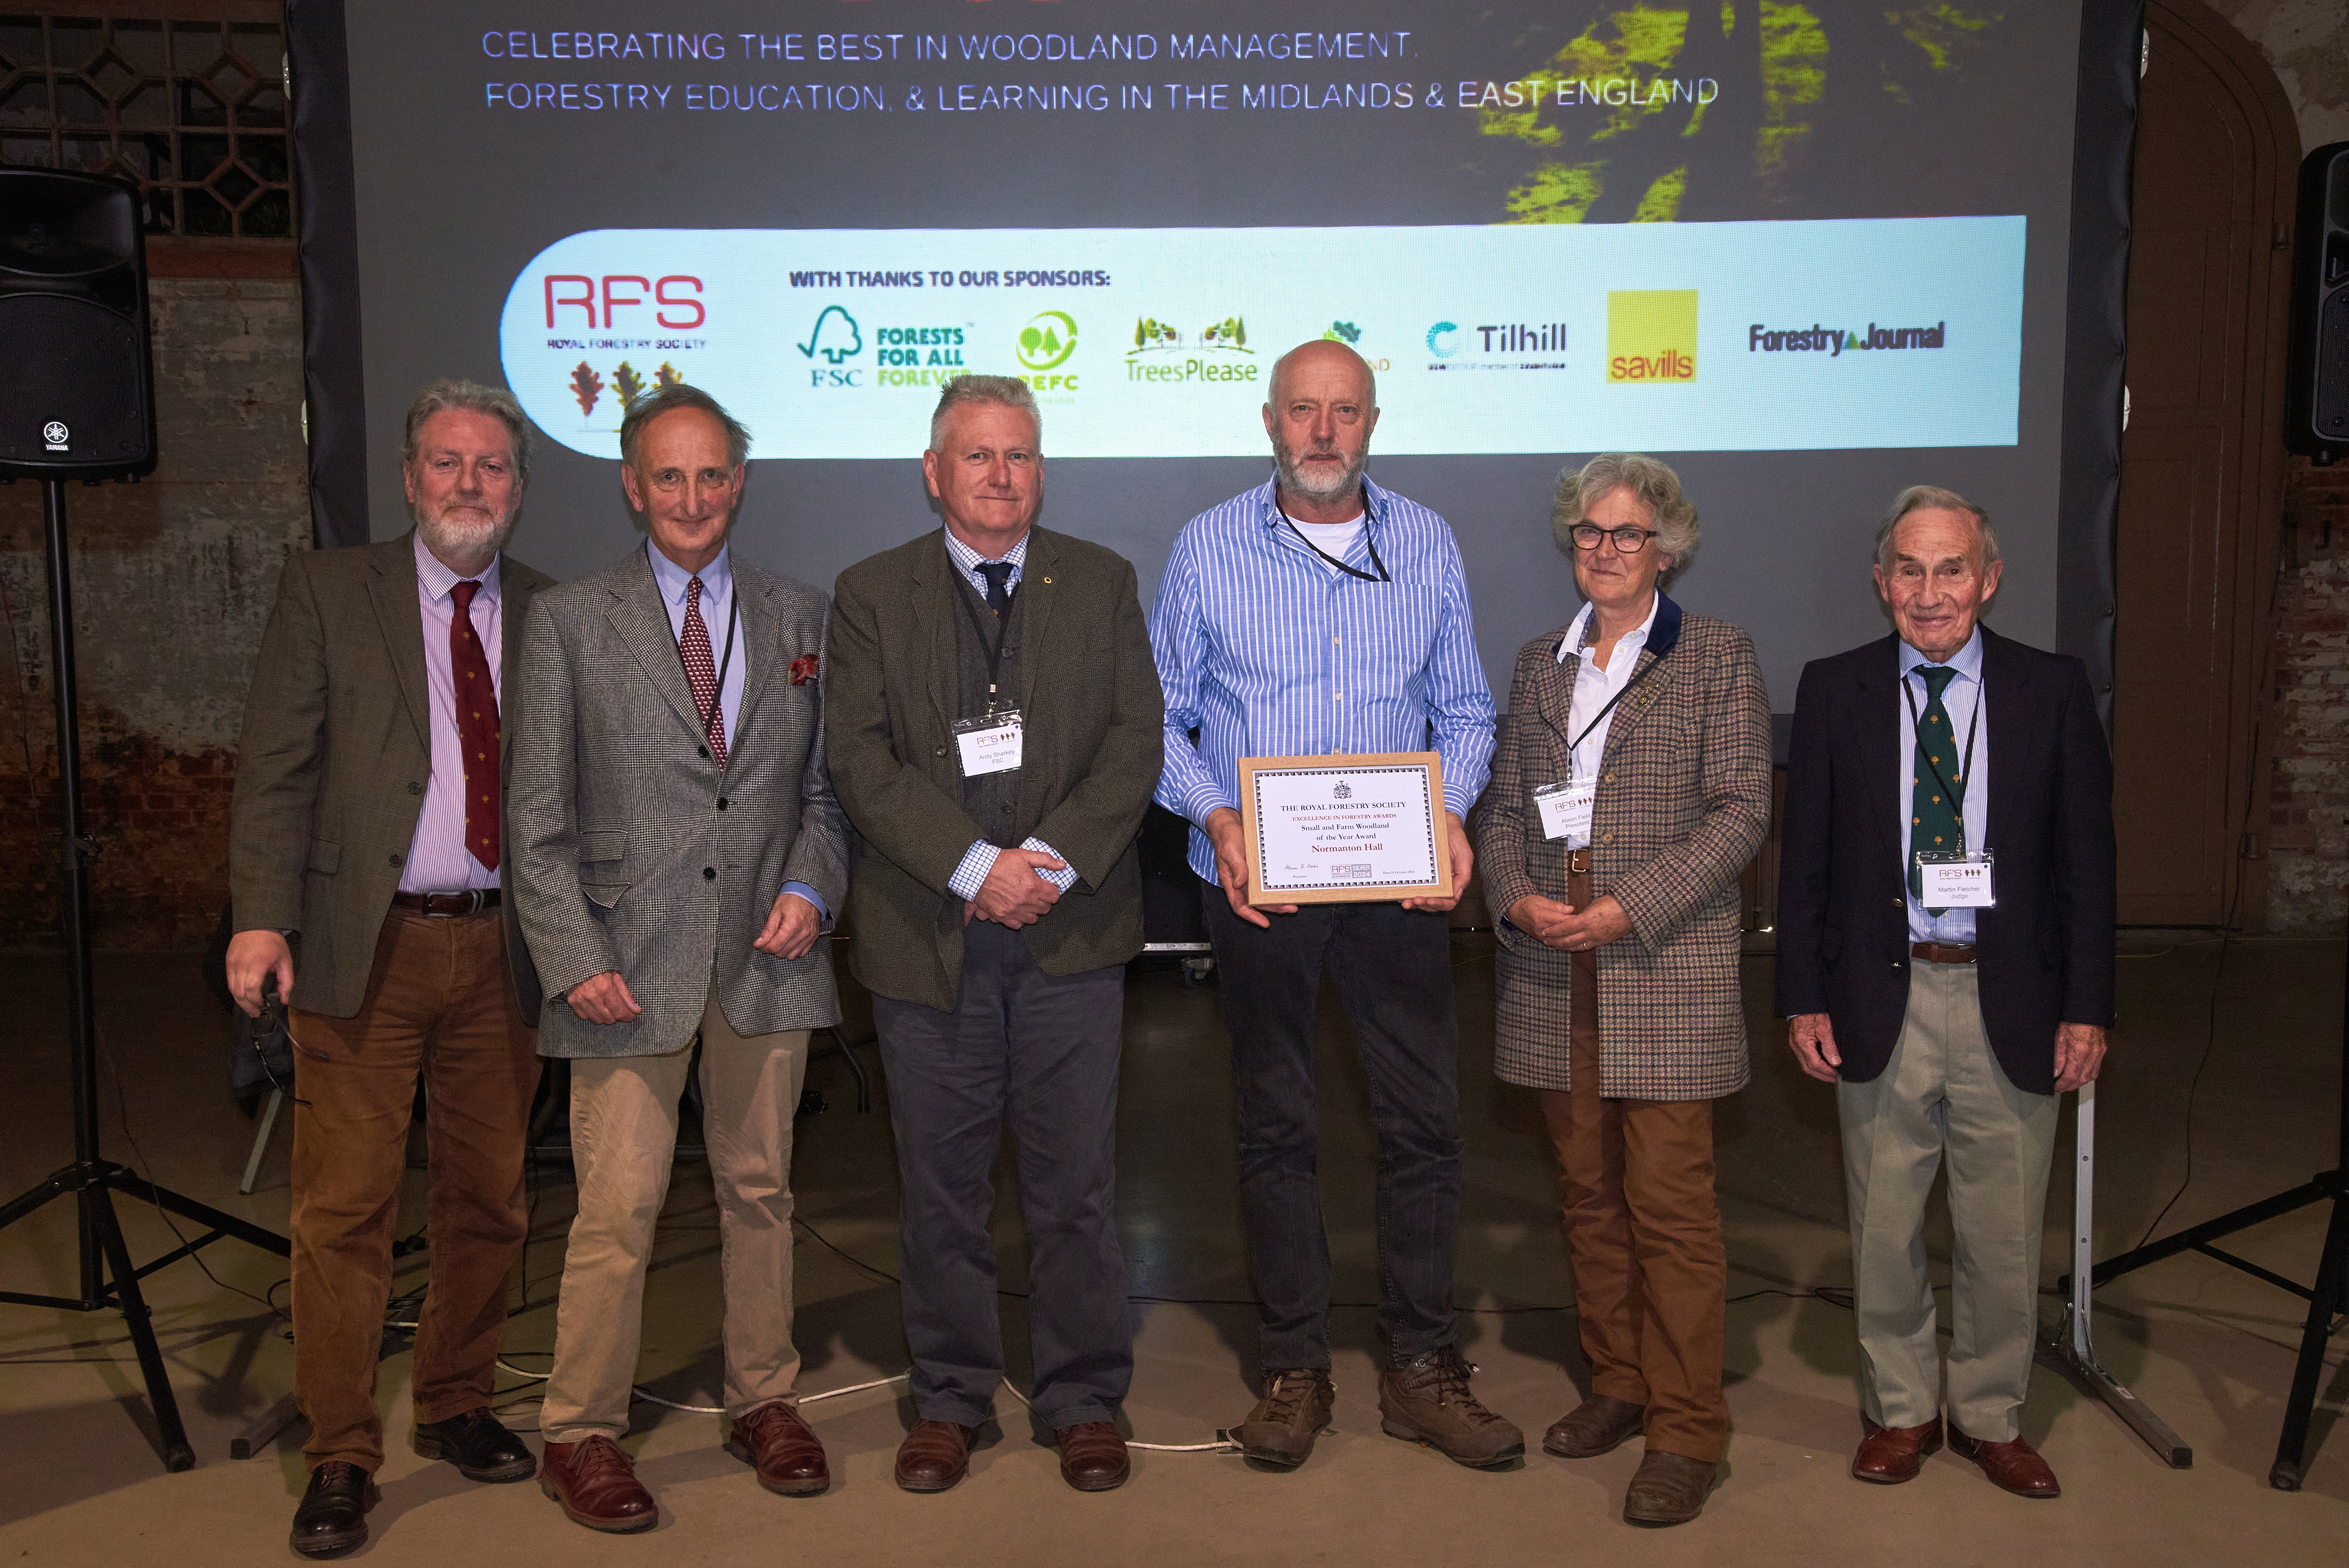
[
  {"x": 461, "y": 535},
  {"x": 1294, "y": 481}
]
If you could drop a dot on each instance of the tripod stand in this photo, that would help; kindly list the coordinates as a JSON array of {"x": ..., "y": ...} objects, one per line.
[
  {"x": 92, "y": 1181},
  {"x": 2326, "y": 1299}
]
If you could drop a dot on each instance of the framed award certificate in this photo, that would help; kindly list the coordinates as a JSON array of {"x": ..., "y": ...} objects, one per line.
[{"x": 1345, "y": 830}]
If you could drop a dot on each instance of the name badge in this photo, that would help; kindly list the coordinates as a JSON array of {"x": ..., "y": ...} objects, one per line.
[
  {"x": 1956, "y": 882},
  {"x": 1566, "y": 807},
  {"x": 989, "y": 745}
]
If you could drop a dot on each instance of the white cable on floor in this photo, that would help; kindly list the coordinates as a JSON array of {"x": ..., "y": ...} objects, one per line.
[{"x": 1218, "y": 1446}]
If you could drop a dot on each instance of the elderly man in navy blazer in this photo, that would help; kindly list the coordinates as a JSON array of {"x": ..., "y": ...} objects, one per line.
[{"x": 1945, "y": 959}]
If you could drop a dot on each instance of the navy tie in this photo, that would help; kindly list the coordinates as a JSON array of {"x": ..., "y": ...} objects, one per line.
[{"x": 999, "y": 577}]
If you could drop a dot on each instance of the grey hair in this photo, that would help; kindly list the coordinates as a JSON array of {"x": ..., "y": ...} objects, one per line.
[
  {"x": 1651, "y": 483},
  {"x": 1280, "y": 368},
  {"x": 456, "y": 395},
  {"x": 667, "y": 401},
  {"x": 1934, "y": 498},
  {"x": 1006, "y": 391}
]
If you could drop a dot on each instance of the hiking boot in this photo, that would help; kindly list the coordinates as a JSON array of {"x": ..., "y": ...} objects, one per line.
[
  {"x": 1295, "y": 1408},
  {"x": 1426, "y": 1400}
]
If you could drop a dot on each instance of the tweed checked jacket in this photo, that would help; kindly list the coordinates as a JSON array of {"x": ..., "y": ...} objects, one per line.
[
  {"x": 1683, "y": 802},
  {"x": 330, "y": 771},
  {"x": 1093, "y": 725},
  {"x": 633, "y": 851}
]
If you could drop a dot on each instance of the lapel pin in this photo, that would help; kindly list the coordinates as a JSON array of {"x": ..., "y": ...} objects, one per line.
[{"x": 1048, "y": 582}]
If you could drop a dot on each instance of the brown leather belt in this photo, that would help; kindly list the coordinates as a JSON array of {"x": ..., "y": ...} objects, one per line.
[
  {"x": 1943, "y": 952},
  {"x": 442, "y": 906},
  {"x": 1577, "y": 861}
]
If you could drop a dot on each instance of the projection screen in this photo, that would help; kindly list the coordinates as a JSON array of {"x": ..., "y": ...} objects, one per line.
[{"x": 1807, "y": 253}]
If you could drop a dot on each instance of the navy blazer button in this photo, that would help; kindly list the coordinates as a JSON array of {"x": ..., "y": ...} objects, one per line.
[{"x": 709, "y": 874}]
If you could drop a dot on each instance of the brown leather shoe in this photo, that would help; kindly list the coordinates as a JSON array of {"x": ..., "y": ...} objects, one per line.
[
  {"x": 2014, "y": 1464},
  {"x": 596, "y": 1485},
  {"x": 773, "y": 1440},
  {"x": 1426, "y": 1400},
  {"x": 1295, "y": 1408},
  {"x": 1597, "y": 1426},
  {"x": 934, "y": 1455},
  {"x": 1667, "y": 1489},
  {"x": 1889, "y": 1455},
  {"x": 1093, "y": 1456}
]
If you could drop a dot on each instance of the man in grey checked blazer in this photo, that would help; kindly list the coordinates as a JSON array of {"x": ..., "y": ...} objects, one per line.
[{"x": 679, "y": 858}]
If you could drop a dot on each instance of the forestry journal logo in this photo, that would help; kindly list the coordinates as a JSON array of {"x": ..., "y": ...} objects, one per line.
[{"x": 1650, "y": 335}]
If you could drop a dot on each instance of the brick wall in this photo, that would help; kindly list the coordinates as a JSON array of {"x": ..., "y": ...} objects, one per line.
[
  {"x": 172, "y": 578},
  {"x": 2308, "y": 816}
]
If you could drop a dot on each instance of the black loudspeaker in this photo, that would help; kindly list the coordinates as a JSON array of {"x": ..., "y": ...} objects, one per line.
[
  {"x": 78, "y": 394},
  {"x": 2316, "y": 414}
]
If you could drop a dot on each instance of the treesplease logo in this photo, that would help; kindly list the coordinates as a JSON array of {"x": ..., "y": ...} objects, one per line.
[
  {"x": 1833, "y": 341},
  {"x": 1163, "y": 353},
  {"x": 1650, "y": 335}
]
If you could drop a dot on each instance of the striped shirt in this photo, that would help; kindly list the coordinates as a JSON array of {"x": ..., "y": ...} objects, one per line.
[{"x": 1267, "y": 650}]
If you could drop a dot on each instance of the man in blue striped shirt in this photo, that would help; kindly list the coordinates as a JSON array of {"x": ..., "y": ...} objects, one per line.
[{"x": 1320, "y": 615}]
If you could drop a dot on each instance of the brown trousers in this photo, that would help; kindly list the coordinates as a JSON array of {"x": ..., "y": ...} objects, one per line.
[
  {"x": 1650, "y": 1273},
  {"x": 438, "y": 1006}
]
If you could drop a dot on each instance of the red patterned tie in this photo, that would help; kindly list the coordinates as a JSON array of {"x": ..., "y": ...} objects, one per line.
[
  {"x": 477, "y": 727},
  {"x": 701, "y": 672}
]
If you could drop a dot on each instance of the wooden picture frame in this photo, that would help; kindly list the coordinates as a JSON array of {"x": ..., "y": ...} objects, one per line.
[{"x": 1280, "y": 796}]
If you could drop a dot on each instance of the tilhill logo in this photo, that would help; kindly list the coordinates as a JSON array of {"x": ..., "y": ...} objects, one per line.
[
  {"x": 1650, "y": 335},
  {"x": 1836, "y": 341},
  {"x": 1497, "y": 345}
]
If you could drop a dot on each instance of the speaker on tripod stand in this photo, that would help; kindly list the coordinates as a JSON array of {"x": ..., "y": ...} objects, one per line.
[{"x": 78, "y": 403}]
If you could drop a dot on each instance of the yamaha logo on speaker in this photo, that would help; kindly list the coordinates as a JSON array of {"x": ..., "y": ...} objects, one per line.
[{"x": 54, "y": 434}]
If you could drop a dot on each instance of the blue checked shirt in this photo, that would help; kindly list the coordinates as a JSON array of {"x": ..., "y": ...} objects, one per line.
[
  {"x": 979, "y": 859},
  {"x": 1269, "y": 651}
]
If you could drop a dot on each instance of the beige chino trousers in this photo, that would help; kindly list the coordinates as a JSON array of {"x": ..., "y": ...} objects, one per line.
[
  {"x": 624, "y": 1115},
  {"x": 1943, "y": 1092}
]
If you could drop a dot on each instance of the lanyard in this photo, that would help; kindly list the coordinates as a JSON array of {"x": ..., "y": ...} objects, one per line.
[
  {"x": 1965, "y": 765},
  {"x": 1369, "y": 543},
  {"x": 1601, "y": 718},
  {"x": 994, "y": 651}
]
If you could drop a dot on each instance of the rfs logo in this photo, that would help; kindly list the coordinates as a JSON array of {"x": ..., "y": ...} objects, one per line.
[
  {"x": 1343, "y": 792},
  {"x": 54, "y": 434}
]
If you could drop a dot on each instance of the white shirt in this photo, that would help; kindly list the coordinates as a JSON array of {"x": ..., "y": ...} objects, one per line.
[
  {"x": 1331, "y": 538},
  {"x": 717, "y": 609},
  {"x": 1963, "y": 699},
  {"x": 1595, "y": 685}
]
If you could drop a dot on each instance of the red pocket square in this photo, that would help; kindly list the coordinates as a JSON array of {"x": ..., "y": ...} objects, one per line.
[{"x": 803, "y": 669}]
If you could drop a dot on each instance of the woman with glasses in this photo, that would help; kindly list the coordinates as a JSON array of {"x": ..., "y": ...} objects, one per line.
[{"x": 1630, "y": 786}]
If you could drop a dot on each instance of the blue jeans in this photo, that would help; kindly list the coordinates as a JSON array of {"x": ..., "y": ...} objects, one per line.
[{"x": 1393, "y": 972}]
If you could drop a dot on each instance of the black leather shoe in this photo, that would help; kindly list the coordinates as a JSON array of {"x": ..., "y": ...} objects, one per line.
[
  {"x": 332, "y": 1519},
  {"x": 477, "y": 1444}
]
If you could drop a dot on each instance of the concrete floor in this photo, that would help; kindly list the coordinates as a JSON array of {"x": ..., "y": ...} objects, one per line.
[{"x": 2208, "y": 1348}]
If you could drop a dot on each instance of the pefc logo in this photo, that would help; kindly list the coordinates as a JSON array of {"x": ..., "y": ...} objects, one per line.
[
  {"x": 56, "y": 435},
  {"x": 1046, "y": 342}
]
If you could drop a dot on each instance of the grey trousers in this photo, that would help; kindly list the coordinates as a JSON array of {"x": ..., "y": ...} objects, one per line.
[
  {"x": 1944, "y": 1092},
  {"x": 1037, "y": 1052}
]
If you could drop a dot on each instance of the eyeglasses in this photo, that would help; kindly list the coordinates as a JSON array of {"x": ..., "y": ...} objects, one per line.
[{"x": 1628, "y": 541}]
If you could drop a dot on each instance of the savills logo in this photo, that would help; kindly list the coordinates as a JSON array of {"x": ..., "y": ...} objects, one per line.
[{"x": 1650, "y": 335}]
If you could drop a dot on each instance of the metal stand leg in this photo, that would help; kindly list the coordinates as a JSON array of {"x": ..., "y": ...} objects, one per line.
[
  {"x": 2329, "y": 1297},
  {"x": 97, "y": 1207},
  {"x": 2078, "y": 1346},
  {"x": 261, "y": 1139}
]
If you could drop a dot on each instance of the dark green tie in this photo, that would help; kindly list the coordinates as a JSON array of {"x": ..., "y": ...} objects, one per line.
[{"x": 1934, "y": 821}]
